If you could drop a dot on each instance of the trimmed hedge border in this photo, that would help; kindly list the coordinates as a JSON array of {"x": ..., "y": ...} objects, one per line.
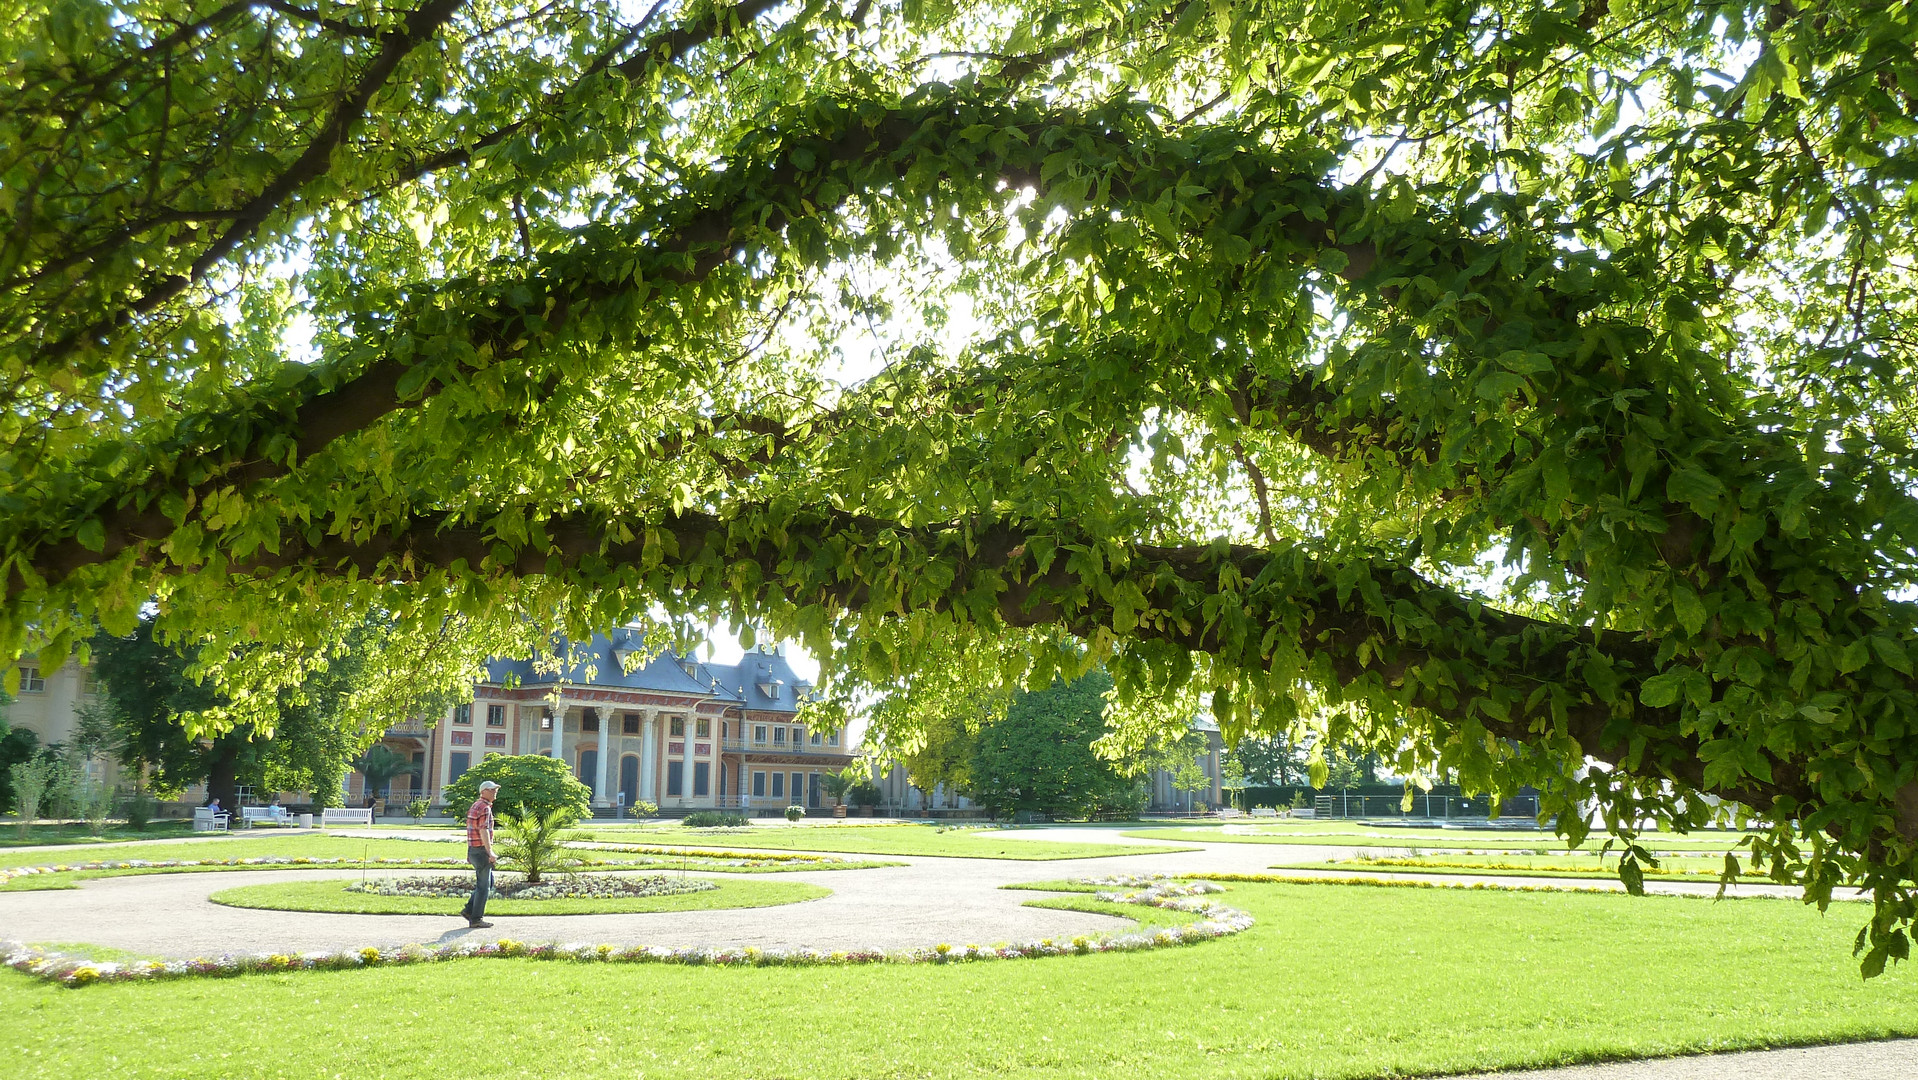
[{"x": 1216, "y": 920}]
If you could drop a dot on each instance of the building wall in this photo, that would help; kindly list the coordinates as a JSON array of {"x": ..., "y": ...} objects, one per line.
[{"x": 48, "y": 705}]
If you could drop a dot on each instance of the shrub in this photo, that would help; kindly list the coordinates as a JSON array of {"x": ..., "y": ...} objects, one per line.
[
  {"x": 863, "y": 793},
  {"x": 138, "y": 809},
  {"x": 30, "y": 780},
  {"x": 529, "y": 784},
  {"x": 530, "y": 844},
  {"x": 645, "y": 809},
  {"x": 714, "y": 819},
  {"x": 96, "y": 802},
  {"x": 417, "y": 810},
  {"x": 794, "y": 813}
]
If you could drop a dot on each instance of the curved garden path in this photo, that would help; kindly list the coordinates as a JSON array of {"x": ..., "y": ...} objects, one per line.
[{"x": 926, "y": 901}]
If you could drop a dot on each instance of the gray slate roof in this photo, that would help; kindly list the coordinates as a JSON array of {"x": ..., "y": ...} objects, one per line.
[{"x": 743, "y": 684}]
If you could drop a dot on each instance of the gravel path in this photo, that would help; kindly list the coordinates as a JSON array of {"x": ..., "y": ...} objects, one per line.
[
  {"x": 1893, "y": 1060},
  {"x": 926, "y": 901}
]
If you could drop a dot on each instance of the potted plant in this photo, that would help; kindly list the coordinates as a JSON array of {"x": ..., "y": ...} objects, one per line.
[
  {"x": 836, "y": 785},
  {"x": 794, "y": 813}
]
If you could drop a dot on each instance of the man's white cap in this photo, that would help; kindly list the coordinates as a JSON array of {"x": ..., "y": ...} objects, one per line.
[{"x": 487, "y": 785}]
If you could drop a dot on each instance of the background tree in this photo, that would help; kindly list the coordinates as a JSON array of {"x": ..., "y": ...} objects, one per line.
[
  {"x": 17, "y": 745},
  {"x": 379, "y": 766},
  {"x": 1039, "y": 756},
  {"x": 1268, "y": 760},
  {"x": 1505, "y": 388}
]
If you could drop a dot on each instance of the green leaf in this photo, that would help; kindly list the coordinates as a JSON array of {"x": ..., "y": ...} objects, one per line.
[
  {"x": 1892, "y": 653},
  {"x": 1695, "y": 487},
  {"x": 1500, "y": 385},
  {"x": 1688, "y": 608},
  {"x": 92, "y": 535},
  {"x": 1661, "y": 691}
]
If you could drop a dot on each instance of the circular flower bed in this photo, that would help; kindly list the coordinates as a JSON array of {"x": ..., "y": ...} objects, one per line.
[{"x": 514, "y": 887}]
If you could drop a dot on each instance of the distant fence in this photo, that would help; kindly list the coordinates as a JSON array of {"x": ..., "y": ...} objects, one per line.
[{"x": 1520, "y": 809}]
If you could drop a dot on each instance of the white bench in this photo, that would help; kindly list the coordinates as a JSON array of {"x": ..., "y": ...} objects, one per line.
[
  {"x": 1264, "y": 811},
  {"x": 206, "y": 819},
  {"x": 334, "y": 815},
  {"x": 271, "y": 815}
]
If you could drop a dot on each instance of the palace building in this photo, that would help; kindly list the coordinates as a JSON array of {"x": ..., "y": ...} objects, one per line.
[{"x": 673, "y": 731}]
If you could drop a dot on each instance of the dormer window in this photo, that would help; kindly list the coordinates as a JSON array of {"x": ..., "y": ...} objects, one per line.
[{"x": 770, "y": 687}]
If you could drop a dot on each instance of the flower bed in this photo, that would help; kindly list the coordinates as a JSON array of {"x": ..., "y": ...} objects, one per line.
[
  {"x": 1216, "y": 921},
  {"x": 514, "y": 887}
]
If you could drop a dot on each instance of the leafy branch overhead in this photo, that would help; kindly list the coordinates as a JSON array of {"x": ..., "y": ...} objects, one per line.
[{"x": 1519, "y": 392}]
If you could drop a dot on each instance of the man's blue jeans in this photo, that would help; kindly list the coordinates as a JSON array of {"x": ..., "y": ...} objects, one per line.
[{"x": 475, "y": 908}]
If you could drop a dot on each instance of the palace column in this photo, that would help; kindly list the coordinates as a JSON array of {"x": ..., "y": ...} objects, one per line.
[
  {"x": 646, "y": 789},
  {"x": 602, "y": 797},
  {"x": 559, "y": 729}
]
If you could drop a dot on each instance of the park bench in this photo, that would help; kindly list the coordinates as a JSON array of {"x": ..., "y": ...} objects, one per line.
[
  {"x": 1264, "y": 811},
  {"x": 334, "y": 815},
  {"x": 271, "y": 815},
  {"x": 206, "y": 819}
]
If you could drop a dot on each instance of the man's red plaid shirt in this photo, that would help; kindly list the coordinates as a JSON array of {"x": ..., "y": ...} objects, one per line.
[{"x": 479, "y": 824}]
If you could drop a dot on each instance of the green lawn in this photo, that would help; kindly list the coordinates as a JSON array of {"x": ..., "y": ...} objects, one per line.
[
  {"x": 1333, "y": 981},
  {"x": 332, "y": 896},
  {"x": 313, "y": 846},
  {"x": 244, "y": 846},
  {"x": 80, "y": 834},
  {"x": 1350, "y": 834},
  {"x": 872, "y": 840},
  {"x": 1670, "y": 868},
  {"x": 1148, "y": 918}
]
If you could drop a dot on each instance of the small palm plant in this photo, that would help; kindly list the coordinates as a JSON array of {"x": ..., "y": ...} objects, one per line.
[{"x": 531, "y": 843}]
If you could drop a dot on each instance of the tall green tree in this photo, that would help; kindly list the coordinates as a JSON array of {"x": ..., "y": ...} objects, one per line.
[
  {"x": 1039, "y": 756},
  {"x": 1522, "y": 391},
  {"x": 1268, "y": 760}
]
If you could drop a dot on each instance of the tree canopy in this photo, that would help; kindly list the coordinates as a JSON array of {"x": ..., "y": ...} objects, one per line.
[{"x": 1520, "y": 390}]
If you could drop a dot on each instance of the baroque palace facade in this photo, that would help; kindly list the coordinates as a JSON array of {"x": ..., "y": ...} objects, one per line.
[{"x": 676, "y": 732}]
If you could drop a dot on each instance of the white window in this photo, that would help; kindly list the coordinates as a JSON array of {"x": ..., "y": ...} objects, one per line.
[
  {"x": 832, "y": 739},
  {"x": 759, "y": 733},
  {"x": 799, "y": 736},
  {"x": 31, "y": 681},
  {"x": 815, "y": 738},
  {"x": 779, "y": 735}
]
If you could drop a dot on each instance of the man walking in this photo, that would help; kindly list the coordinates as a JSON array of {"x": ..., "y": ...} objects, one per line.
[{"x": 479, "y": 852}]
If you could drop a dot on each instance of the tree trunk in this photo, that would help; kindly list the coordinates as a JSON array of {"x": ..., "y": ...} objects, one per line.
[{"x": 223, "y": 777}]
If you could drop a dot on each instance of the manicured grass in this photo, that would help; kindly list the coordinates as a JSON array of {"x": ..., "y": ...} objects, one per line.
[
  {"x": 332, "y": 896},
  {"x": 1670, "y": 867},
  {"x": 80, "y": 834},
  {"x": 1147, "y": 917},
  {"x": 1333, "y": 981},
  {"x": 313, "y": 846},
  {"x": 245, "y": 846},
  {"x": 1347, "y": 834},
  {"x": 870, "y": 840}
]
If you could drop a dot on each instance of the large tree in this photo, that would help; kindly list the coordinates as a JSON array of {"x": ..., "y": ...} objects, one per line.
[
  {"x": 1522, "y": 390},
  {"x": 1038, "y": 756}
]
